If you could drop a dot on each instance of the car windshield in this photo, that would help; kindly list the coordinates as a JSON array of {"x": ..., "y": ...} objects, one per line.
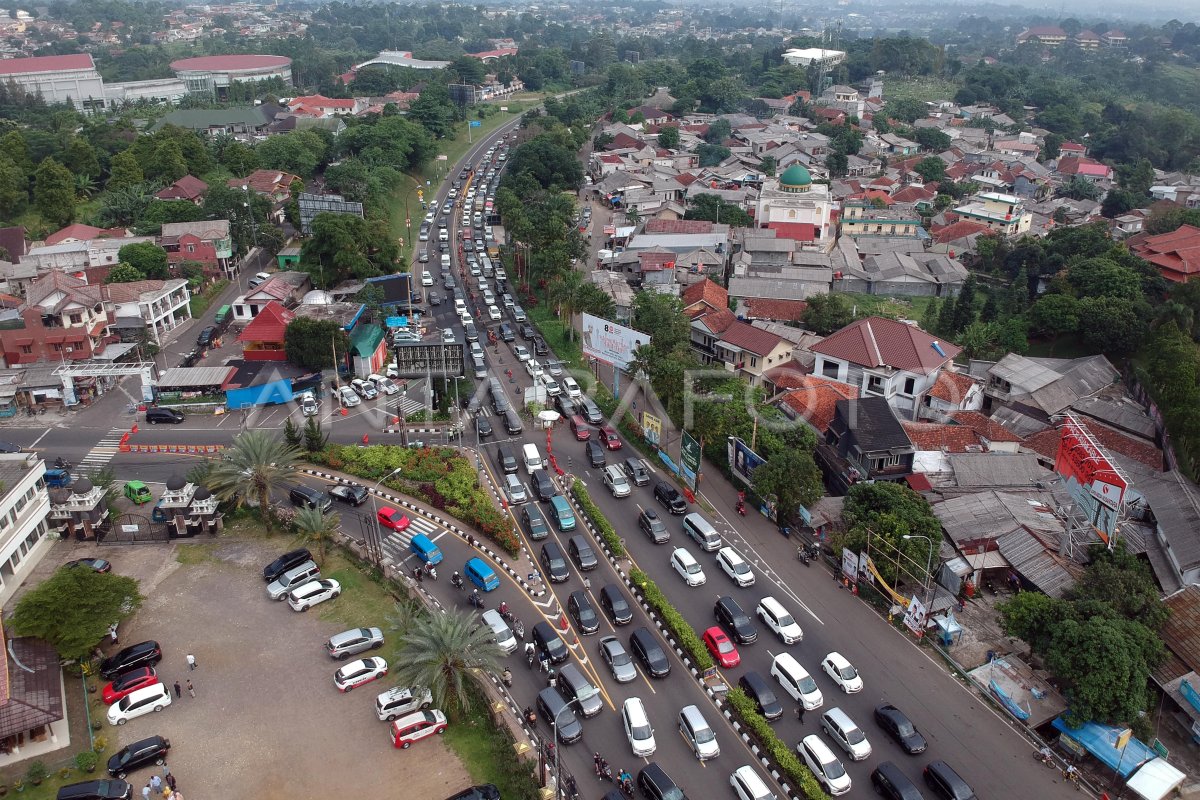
[
  {"x": 786, "y": 621},
  {"x": 657, "y": 525},
  {"x": 741, "y": 567},
  {"x": 807, "y": 685},
  {"x": 847, "y": 672},
  {"x": 705, "y": 735},
  {"x": 693, "y": 568},
  {"x": 620, "y": 659},
  {"x": 724, "y": 646},
  {"x": 904, "y": 727},
  {"x": 586, "y": 614},
  {"x": 641, "y": 732},
  {"x": 587, "y": 692},
  {"x": 741, "y": 621},
  {"x": 855, "y": 735},
  {"x": 833, "y": 769},
  {"x": 674, "y": 793}
]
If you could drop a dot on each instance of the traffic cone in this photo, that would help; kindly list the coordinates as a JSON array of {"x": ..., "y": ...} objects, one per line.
[
  {"x": 134, "y": 430},
  {"x": 366, "y": 439}
]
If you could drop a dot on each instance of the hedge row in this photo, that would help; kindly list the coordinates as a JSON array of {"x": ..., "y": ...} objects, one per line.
[
  {"x": 794, "y": 770},
  {"x": 684, "y": 634},
  {"x": 611, "y": 540}
]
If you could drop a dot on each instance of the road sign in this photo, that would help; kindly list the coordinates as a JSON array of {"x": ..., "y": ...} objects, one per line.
[
  {"x": 689, "y": 460},
  {"x": 476, "y": 123}
]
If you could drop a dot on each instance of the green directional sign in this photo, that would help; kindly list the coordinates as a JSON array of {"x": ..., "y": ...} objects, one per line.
[{"x": 689, "y": 460}]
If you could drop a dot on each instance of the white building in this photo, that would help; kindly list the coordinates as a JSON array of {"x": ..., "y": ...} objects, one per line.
[
  {"x": 159, "y": 305},
  {"x": 24, "y": 507},
  {"x": 78, "y": 255},
  {"x": 807, "y": 56},
  {"x": 798, "y": 209},
  {"x": 59, "y": 79}
]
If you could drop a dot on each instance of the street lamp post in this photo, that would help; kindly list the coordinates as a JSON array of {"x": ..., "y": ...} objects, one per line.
[
  {"x": 554, "y": 727},
  {"x": 377, "y": 545}
]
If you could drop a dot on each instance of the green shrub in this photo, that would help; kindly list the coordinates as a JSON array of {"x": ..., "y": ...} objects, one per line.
[
  {"x": 796, "y": 773},
  {"x": 684, "y": 634},
  {"x": 611, "y": 540}
]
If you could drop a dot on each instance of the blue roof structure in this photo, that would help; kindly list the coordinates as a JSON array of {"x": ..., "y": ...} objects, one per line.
[{"x": 1101, "y": 742}]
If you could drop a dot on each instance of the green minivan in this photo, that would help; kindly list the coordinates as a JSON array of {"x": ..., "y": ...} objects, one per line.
[
  {"x": 138, "y": 492},
  {"x": 561, "y": 511}
]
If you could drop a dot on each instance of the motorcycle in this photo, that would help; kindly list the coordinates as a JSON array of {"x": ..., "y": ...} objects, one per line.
[
  {"x": 603, "y": 770},
  {"x": 457, "y": 580},
  {"x": 530, "y": 717},
  {"x": 519, "y": 629},
  {"x": 802, "y": 553},
  {"x": 506, "y": 677},
  {"x": 431, "y": 571},
  {"x": 475, "y": 600},
  {"x": 530, "y": 656},
  {"x": 62, "y": 463},
  {"x": 740, "y": 508},
  {"x": 626, "y": 784}
]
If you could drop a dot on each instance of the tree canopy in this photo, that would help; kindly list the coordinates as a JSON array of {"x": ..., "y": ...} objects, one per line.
[
  {"x": 53, "y": 610},
  {"x": 310, "y": 343}
]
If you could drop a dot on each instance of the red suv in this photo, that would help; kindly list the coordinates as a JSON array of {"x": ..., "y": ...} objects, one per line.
[
  {"x": 608, "y": 435},
  {"x": 580, "y": 428}
]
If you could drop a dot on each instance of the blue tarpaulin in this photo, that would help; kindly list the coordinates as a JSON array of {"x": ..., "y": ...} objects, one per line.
[
  {"x": 397, "y": 322},
  {"x": 261, "y": 395},
  {"x": 1101, "y": 742}
]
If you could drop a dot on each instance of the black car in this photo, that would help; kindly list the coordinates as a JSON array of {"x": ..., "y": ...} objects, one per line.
[
  {"x": 540, "y": 347},
  {"x": 486, "y": 791},
  {"x": 139, "y": 754},
  {"x": 292, "y": 558},
  {"x": 527, "y": 331},
  {"x": 731, "y": 617},
  {"x": 555, "y": 563},
  {"x": 615, "y": 605},
  {"x": 505, "y": 332},
  {"x": 448, "y": 284},
  {"x": 483, "y": 427},
  {"x": 205, "y": 339},
  {"x": 549, "y": 644},
  {"x": 946, "y": 783},
  {"x": 435, "y": 299},
  {"x": 582, "y": 553},
  {"x": 543, "y": 485},
  {"x": 94, "y": 564},
  {"x": 580, "y": 607},
  {"x": 761, "y": 693},
  {"x": 647, "y": 650},
  {"x": 595, "y": 453},
  {"x": 142, "y": 654},
  {"x": 566, "y": 406},
  {"x": 670, "y": 497},
  {"x": 635, "y": 470},
  {"x": 893, "y": 784},
  {"x": 657, "y": 785},
  {"x": 896, "y": 725},
  {"x": 353, "y": 494},
  {"x": 653, "y": 527}
]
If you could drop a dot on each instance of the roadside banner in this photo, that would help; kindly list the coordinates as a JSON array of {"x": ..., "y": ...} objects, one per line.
[
  {"x": 651, "y": 428},
  {"x": 689, "y": 460}
]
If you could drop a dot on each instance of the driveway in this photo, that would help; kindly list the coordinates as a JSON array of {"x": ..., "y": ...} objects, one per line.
[{"x": 266, "y": 721}]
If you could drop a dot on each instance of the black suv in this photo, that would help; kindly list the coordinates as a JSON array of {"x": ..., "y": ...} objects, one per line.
[
  {"x": 152, "y": 750},
  {"x": 595, "y": 453},
  {"x": 483, "y": 427},
  {"x": 900, "y": 728},
  {"x": 354, "y": 494},
  {"x": 205, "y": 339},
  {"x": 582, "y": 553},
  {"x": 506, "y": 332},
  {"x": 292, "y": 558},
  {"x": 657, "y": 785},
  {"x": 946, "y": 783},
  {"x": 543, "y": 485},
  {"x": 555, "y": 563},
  {"x": 647, "y": 650},
  {"x": 540, "y": 347},
  {"x": 615, "y": 604},
  {"x": 548, "y": 643},
  {"x": 654, "y": 528},
  {"x": 142, "y": 654},
  {"x": 580, "y": 607},
  {"x": 761, "y": 693},
  {"x": 670, "y": 497},
  {"x": 731, "y": 617},
  {"x": 635, "y": 470},
  {"x": 527, "y": 331}
]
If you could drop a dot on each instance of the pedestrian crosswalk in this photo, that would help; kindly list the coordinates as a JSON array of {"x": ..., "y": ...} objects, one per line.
[
  {"x": 99, "y": 456},
  {"x": 395, "y": 545},
  {"x": 406, "y": 406}
]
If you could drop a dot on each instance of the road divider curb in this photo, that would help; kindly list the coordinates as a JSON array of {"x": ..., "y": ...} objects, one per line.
[{"x": 471, "y": 539}]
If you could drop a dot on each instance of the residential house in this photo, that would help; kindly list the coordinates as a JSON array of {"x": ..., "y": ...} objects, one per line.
[
  {"x": 703, "y": 297},
  {"x": 896, "y": 273},
  {"x": 90, "y": 259},
  {"x": 1127, "y": 225},
  {"x": 750, "y": 352},
  {"x": 1114, "y": 38},
  {"x": 898, "y": 145},
  {"x": 959, "y": 238},
  {"x": 208, "y": 242},
  {"x": 245, "y": 123},
  {"x": 269, "y": 183},
  {"x": 1003, "y": 213},
  {"x": 63, "y": 318},
  {"x": 188, "y": 188},
  {"x": 616, "y": 287},
  {"x": 705, "y": 330},
  {"x": 263, "y": 338},
  {"x": 952, "y": 391},
  {"x": 1176, "y": 255},
  {"x": 885, "y": 358},
  {"x": 153, "y": 307},
  {"x": 1087, "y": 40},
  {"x": 24, "y": 507},
  {"x": 1094, "y": 171},
  {"x": 842, "y": 98},
  {"x": 864, "y": 218},
  {"x": 78, "y": 232},
  {"x": 320, "y": 106},
  {"x": 1024, "y": 393},
  {"x": 864, "y": 442},
  {"x": 286, "y": 288},
  {"x": 814, "y": 401}
]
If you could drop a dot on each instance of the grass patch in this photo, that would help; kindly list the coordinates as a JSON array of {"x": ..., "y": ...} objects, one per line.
[
  {"x": 201, "y": 302},
  {"x": 868, "y": 305},
  {"x": 487, "y": 750},
  {"x": 192, "y": 554},
  {"x": 554, "y": 331},
  {"x": 925, "y": 89}
]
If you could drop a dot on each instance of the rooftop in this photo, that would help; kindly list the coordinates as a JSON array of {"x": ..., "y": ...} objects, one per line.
[
  {"x": 815, "y": 400},
  {"x": 18, "y": 66},
  {"x": 232, "y": 63},
  {"x": 879, "y": 342}
]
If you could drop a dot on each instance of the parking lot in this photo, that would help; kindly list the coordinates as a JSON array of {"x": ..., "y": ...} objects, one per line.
[{"x": 267, "y": 721}]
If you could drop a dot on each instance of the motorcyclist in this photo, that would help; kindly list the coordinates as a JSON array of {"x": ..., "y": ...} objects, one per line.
[
  {"x": 456, "y": 579},
  {"x": 503, "y": 609},
  {"x": 506, "y": 676}
]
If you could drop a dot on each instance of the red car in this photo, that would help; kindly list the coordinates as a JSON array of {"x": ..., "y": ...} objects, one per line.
[
  {"x": 392, "y": 518},
  {"x": 722, "y": 648},
  {"x": 608, "y": 435},
  {"x": 128, "y": 682}
]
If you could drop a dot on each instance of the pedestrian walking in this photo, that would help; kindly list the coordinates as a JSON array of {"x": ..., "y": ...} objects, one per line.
[
  {"x": 167, "y": 776},
  {"x": 191, "y": 661},
  {"x": 146, "y": 792},
  {"x": 800, "y": 713},
  {"x": 178, "y": 694},
  {"x": 156, "y": 783},
  {"x": 191, "y": 689},
  {"x": 170, "y": 780}
]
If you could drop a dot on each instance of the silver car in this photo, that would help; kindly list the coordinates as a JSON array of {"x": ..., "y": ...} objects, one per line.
[
  {"x": 356, "y": 640},
  {"x": 515, "y": 489},
  {"x": 618, "y": 659}
]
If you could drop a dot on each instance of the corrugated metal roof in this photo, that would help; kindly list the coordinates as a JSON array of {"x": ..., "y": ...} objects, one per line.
[
  {"x": 195, "y": 376},
  {"x": 997, "y": 469}
]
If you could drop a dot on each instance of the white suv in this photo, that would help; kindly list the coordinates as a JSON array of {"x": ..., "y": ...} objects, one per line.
[
  {"x": 824, "y": 764},
  {"x": 305, "y": 597},
  {"x": 139, "y": 702},
  {"x": 614, "y": 479},
  {"x": 776, "y": 617},
  {"x": 688, "y": 568},
  {"x": 398, "y": 701},
  {"x": 637, "y": 728},
  {"x": 735, "y": 566}
]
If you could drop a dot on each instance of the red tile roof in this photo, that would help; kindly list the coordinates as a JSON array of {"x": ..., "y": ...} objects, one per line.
[
  {"x": 985, "y": 426},
  {"x": 77, "y": 230},
  {"x": 745, "y": 336},
  {"x": 936, "y": 436},
  {"x": 656, "y": 261},
  {"x": 269, "y": 325},
  {"x": 817, "y": 398},
  {"x": 717, "y": 321},
  {"x": 951, "y": 387},
  {"x": 17, "y": 66},
  {"x": 1176, "y": 254},
  {"x": 796, "y": 231},
  {"x": 880, "y": 342},
  {"x": 233, "y": 63},
  {"x": 679, "y": 226},
  {"x": 189, "y": 187},
  {"x": 1045, "y": 443},
  {"x": 958, "y": 230},
  {"x": 778, "y": 310},
  {"x": 913, "y": 194},
  {"x": 686, "y": 178},
  {"x": 704, "y": 293},
  {"x": 321, "y": 101}
]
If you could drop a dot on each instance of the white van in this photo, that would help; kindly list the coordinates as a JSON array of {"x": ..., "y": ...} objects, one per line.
[
  {"x": 533, "y": 459},
  {"x": 824, "y": 765},
  {"x": 796, "y": 681},
  {"x": 702, "y": 532},
  {"x": 445, "y": 261}
]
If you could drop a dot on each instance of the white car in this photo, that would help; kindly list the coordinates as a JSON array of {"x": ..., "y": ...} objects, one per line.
[
  {"x": 348, "y": 397},
  {"x": 500, "y": 630},
  {"x": 776, "y": 617},
  {"x": 614, "y": 479},
  {"x": 494, "y": 314},
  {"x": 828, "y": 770},
  {"x": 139, "y": 702},
  {"x": 534, "y": 368},
  {"x": 366, "y": 390},
  {"x": 637, "y": 728},
  {"x": 735, "y": 566},
  {"x": 688, "y": 568},
  {"x": 521, "y": 352},
  {"x": 747, "y": 785},
  {"x": 356, "y": 673},
  {"x": 571, "y": 387},
  {"x": 551, "y": 386},
  {"x": 426, "y": 279},
  {"x": 843, "y": 673},
  {"x": 393, "y": 370},
  {"x": 447, "y": 336},
  {"x": 795, "y": 680},
  {"x": 554, "y": 368},
  {"x": 383, "y": 384},
  {"x": 401, "y": 700},
  {"x": 429, "y": 217},
  {"x": 305, "y": 597},
  {"x": 308, "y": 404}
]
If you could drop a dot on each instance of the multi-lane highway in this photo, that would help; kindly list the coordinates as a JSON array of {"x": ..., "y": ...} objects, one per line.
[{"x": 960, "y": 728}]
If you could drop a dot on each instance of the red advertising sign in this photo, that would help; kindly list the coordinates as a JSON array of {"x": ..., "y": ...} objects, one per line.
[{"x": 1090, "y": 477}]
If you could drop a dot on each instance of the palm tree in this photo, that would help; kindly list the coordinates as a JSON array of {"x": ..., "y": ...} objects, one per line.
[
  {"x": 575, "y": 295},
  {"x": 317, "y": 528},
  {"x": 445, "y": 651},
  {"x": 85, "y": 186},
  {"x": 254, "y": 464}
]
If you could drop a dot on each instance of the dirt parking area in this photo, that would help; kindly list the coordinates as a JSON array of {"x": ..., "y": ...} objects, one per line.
[{"x": 266, "y": 721}]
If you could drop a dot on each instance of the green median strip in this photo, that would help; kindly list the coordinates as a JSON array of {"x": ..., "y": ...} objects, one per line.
[{"x": 602, "y": 526}]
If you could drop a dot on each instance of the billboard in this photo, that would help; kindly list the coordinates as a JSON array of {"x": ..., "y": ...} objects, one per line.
[
  {"x": 609, "y": 342},
  {"x": 651, "y": 428},
  {"x": 742, "y": 460},
  {"x": 1093, "y": 482},
  {"x": 689, "y": 460}
]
